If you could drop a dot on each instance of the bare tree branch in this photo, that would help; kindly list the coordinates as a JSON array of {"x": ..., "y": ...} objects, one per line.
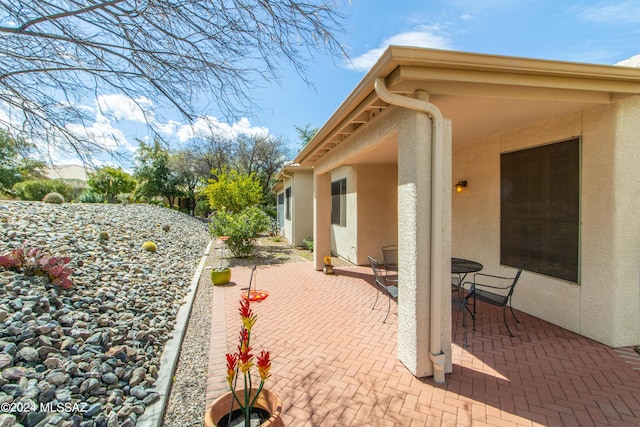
[{"x": 55, "y": 56}]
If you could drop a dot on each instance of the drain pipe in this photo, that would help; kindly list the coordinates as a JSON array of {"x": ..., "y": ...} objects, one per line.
[{"x": 436, "y": 354}]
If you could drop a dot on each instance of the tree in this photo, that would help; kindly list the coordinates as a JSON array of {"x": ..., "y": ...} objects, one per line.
[
  {"x": 15, "y": 166},
  {"x": 186, "y": 166},
  {"x": 55, "y": 55},
  {"x": 109, "y": 182},
  {"x": 259, "y": 155},
  {"x": 306, "y": 133},
  {"x": 153, "y": 173},
  {"x": 233, "y": 191},
  {"x": 262, "y": 156}
]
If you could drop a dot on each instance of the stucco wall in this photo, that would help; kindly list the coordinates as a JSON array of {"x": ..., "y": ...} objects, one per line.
[
  {"x": 302, "y": 205},
  {"x": 605, "y": 305},
  {"x": 344, "y": 238},
  {"x": 377, "y": 205}
]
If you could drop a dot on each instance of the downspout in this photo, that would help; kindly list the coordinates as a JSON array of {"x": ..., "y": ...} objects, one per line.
[{"x": 436, "y": 354}]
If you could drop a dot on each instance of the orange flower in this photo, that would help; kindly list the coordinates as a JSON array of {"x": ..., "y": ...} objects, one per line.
[
  {"x": 232, "y": 363},
  {"x": 264, "y": 364}
]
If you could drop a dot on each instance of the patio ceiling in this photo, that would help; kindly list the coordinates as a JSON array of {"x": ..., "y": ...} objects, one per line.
[{"x": 482, "y": 95}]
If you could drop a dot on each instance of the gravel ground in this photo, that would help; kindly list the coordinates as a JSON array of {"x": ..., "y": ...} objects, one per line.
[{"x": 94, "y": 348}]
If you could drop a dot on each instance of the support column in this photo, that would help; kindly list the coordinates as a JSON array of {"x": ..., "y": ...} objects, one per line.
[
  {"x": 321, "y": 218},
  {"x": 414, "y": 245}
]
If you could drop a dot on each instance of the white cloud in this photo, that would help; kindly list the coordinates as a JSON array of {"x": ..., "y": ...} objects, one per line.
[
  {"x": 613, "y": 12},
  {"x": 208, "y": 126},
  {"x": 121, "y": 107},
  {"x": 634, "y": 61},
  {"x": 419, "y": 38},
  {"x": 103, "y": 133}
]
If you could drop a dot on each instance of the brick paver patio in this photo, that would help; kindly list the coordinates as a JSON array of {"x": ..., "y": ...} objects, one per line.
[{"x": 335, "y": 363}]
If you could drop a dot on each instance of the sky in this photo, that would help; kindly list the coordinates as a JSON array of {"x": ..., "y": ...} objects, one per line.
[{"x": 600, "y": 32}]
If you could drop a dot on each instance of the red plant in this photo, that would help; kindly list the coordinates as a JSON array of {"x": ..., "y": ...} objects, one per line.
[
  {"x": 34, "y": 261},
  {"x": 242, "y": 361}
]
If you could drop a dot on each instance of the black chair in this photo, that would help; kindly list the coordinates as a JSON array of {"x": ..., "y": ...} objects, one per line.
[
  {"x": 390, "y": 257},
  {"x": 386, "y": 283},
  {"x": 499, "y": 296}
]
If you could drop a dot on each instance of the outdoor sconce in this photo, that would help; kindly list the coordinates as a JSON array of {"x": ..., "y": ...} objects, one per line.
[{"x": 460, "y": 185}]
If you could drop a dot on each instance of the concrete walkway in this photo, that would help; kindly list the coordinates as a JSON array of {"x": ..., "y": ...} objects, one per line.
[{"x": 335, "y": 363}]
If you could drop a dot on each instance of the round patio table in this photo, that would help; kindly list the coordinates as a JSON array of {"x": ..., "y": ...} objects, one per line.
[{"x": 464, "y": 266}]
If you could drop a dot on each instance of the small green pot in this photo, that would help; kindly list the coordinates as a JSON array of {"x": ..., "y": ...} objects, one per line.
[{"x": 221, "y": 276}]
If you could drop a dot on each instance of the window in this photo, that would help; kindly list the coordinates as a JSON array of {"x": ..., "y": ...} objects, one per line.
[
  {"x": 540, "y": 209},
  {"x": 287, "y": 196},
  {"x": 281, "y": 209},
  {"x": 339, "y": 202}
]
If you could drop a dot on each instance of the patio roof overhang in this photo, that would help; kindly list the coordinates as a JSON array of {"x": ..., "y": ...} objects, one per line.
[{"x": 482, "y": 94}]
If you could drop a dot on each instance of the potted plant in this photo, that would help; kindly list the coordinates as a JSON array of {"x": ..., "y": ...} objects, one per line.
[
  {"x": 244, "y": 404},
  {"x": 221, "y": 275},
  {"x": 328, "y": 267}
]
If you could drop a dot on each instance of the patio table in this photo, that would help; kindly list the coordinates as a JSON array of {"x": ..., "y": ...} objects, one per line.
[{"x": 462, "y": 267}]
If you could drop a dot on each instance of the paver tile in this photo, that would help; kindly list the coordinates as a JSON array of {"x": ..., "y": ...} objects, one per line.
[{"x": 335, "y": 362}]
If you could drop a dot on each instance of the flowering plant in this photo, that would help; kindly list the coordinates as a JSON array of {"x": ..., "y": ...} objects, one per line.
[
  {"x": 327, "y": 260},
  {"x": 242, "y": 362}
]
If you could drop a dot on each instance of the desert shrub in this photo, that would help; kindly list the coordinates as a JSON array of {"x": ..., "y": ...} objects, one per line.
[
  {"x": 203, "y": 209},
  {"x": 104, "y": 235},
  {"x": 308, "y": 242},
  {"x": 89, "y": 196},
  {"x": 125, "y": 198},
  {"x": 56, "y": 198},
  {"x": 36, "y": 189},
  {"x": 241, "y": 228},
  {"x": 110, "y": 182}
]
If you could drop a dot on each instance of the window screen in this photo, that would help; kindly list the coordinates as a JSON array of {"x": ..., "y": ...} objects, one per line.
[
  {"x": 339, "y": 202},
  {"x": 540, "y": 209}
]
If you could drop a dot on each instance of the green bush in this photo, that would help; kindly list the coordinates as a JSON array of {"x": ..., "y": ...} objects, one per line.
[
  {"x": 203, "y": 209},
  {"x": 37, "y": 189},
  {"x": 125, "y": 198},
  {"x": 53, "y": 198},
  {"x": 241, "y": 228},
  {"x": 308, "y": 242},
  {"x": 89, "y": 196}
]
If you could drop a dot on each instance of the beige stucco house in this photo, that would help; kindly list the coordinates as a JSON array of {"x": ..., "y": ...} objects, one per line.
[
  {"x": 294, "y": 190},
  {"x": 527, "y": 136}
]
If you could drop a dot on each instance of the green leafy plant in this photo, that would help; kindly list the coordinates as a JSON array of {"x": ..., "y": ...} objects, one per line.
[
  {"x": 56, "y": 198},
  {"x": 203, "y": 209},
  {"x": 233, "y": 191},
  {"x": 35, "y": 262},
  {"x": 308, "y": 242},
  {"x": 241, "y": 228}
]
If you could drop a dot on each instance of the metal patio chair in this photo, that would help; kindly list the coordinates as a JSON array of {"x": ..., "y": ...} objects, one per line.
[
  {"x": 390, "y": 257},
  {"x": 388, "y": 284},
  {"x": 494, "y": 294}
]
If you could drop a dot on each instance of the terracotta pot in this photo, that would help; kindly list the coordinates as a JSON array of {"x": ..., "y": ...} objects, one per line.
[
  {"x": 221, "y": 277},
  {"x": 328, "y": 269},
  {"x": 267, "y": 400}
]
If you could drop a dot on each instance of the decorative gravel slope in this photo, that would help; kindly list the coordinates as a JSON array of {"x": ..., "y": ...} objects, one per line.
[{"x": 89, "y": 356}]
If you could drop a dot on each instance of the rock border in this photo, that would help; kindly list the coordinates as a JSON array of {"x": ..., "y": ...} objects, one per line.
[{"x": 154, "y": 414}]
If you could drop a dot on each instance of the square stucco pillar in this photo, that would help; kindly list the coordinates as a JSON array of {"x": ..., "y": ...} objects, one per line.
[
  {"x": 321, "y": 218},
  {"x": 414, "y": 245}
]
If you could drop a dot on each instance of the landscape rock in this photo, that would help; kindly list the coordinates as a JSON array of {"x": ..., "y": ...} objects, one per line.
[{"x": 100, "y": 342}]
